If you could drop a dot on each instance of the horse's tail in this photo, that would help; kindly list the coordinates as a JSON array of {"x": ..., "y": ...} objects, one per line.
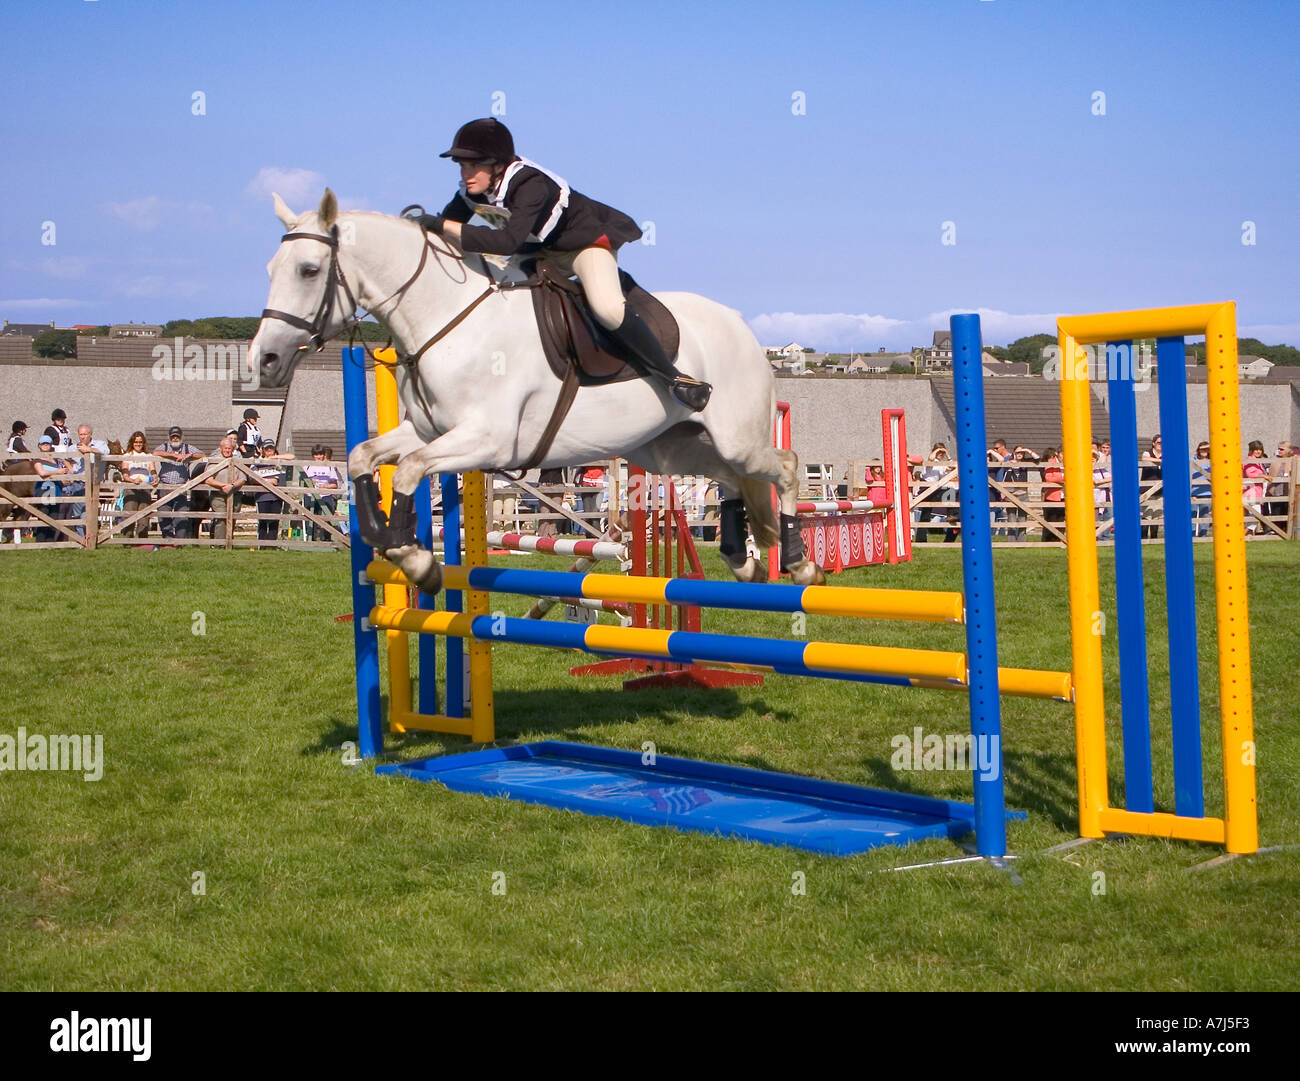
[{"x": 757, "y": 495}]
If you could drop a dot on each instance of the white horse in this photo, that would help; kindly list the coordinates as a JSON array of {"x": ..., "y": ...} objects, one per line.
[{"x": 485, "y": 391}]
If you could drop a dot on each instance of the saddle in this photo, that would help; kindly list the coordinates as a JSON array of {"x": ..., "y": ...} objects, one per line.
[
  {"x": 579, "y": 350},
  {"x": 575, "y": 341}
]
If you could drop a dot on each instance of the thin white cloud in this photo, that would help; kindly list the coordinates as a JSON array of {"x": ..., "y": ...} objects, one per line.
[
  {"x": 145, "y": 213},
  {"x": 840, "y": 332},
  {"x": 148, "y": 212},
  {"x": 1272, "y": 333},
  {"x": 65, "y": 267},
  {"x": 998, "y": 327},
  {"x": 152, "y": 286},
  {"x": 300, "y": 188},
  {"x": 825, "y": 331},
  {"x": 62, "y": 267},
  {"x": 43, "y": 302}
]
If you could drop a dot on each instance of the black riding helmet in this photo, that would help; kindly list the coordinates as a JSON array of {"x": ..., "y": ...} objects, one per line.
[{"x": 482, "y": 140}]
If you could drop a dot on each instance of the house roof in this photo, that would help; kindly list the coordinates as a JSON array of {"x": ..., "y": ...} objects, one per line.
[{"x": 1022, "y": 409}]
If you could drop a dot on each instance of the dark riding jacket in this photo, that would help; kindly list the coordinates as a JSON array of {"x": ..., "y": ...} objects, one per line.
[{"x": 543, "y": 213}]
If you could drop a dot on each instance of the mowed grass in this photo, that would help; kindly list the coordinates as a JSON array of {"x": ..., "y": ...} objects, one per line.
[{"x": 223, "y": 760}]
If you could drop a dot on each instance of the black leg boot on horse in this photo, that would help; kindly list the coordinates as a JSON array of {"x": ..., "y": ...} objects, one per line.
[
  {"x": 393, "y": 532},
  {"x": 733, "y": 532},
  {"x": 635, "y": 336}
]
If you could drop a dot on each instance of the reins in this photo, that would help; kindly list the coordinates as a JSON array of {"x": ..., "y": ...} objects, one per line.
[{"x": 336, "y": 279}]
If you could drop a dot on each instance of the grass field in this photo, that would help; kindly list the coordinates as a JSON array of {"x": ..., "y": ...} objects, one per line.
[{"x": 222, "y": 760}]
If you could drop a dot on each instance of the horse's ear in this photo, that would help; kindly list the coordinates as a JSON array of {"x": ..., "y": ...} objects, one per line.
[
  {"x": 287, "y": 217},
  {"x": 329, "y": 209}
]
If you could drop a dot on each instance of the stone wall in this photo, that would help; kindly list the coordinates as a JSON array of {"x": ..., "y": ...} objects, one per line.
[{"x": 837, "y": 419}]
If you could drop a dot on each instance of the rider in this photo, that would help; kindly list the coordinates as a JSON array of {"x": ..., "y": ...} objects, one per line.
[{"x": 542, "y": 213}]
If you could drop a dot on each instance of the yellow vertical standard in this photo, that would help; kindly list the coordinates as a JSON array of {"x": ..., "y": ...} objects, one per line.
[
  {"x": 396, "y": 643},
  {"x": 473, "y": 512},
  {"x": 1235, "y": 702},
  {"x": 1085, "y": 596}
]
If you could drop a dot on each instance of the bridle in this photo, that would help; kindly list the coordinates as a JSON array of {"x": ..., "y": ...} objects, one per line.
[{"x": 335, "y": 279}]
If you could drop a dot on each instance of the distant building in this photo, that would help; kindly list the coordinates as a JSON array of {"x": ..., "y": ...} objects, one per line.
[
  {"x": 791, "y": 349},
  {"x": 994, "y": 367},
  {"x": 1254, "y": 367},
  {"x": 134, "y": 330},
  {"x": 939, "y": 356},
  {"x": 27, "y": 330}
]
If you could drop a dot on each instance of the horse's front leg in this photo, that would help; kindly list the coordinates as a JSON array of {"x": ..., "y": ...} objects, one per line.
[
  {"x": 362, "y": 462},
  {"x": 463, "y": 449}
]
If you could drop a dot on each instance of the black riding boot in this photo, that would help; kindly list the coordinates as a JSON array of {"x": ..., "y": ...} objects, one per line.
[{"x": 639, "y": 340}]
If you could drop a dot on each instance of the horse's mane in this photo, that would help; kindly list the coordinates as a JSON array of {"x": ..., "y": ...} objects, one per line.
[{"x": 473, "y": 261}]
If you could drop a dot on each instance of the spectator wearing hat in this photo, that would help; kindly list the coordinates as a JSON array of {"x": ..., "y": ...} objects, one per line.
[
  {"x": 248, "y": 435},
  {"x": 60, "y": 437},
  {"x": 321, "y": 474},
  {"x": 16, "y": 433},
  {"x": 49, "y": 484},
  {"x": 173, "y": 470}
]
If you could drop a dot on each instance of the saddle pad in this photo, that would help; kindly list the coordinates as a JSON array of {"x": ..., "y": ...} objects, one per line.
[{"x": 570, "y": 333}]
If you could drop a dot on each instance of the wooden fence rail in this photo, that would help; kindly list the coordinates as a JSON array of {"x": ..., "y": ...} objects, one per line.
[{"x": 1020, "y": 506}]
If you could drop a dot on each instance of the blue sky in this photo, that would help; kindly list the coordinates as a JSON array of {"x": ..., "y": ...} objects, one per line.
[{"x": 825, "y": 225}]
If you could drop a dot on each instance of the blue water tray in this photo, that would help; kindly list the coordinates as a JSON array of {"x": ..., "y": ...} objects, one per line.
[{"x": 774, "y": 808}]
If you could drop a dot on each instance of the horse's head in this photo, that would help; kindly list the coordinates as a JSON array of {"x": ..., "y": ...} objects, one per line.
[{"x": 309, "y": 301}]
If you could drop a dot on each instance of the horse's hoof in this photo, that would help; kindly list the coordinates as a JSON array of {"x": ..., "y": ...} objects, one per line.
[
  {"x": 419, "y": 565},
  {"x": 750, "y": 570},
  {"x": 806, "y": 573}
]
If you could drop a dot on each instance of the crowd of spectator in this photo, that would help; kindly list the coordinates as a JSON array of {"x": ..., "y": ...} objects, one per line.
[
  {"x": 1014, "y": 472},
  {"x": 147, "y": 481}
]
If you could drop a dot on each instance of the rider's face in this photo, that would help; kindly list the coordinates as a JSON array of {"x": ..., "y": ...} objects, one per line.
[{"x": 476, "y": 175}]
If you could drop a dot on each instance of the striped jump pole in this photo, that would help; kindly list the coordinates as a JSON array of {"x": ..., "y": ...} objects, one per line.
[
  {"x": 896, "y": 666},
  {"x": 837, "y": 506},
  {"x": 560, "y": 546}
]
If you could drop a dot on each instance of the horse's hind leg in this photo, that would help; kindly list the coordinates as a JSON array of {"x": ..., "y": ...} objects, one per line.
[
  {"x": 680, "y": 450},
  {"x": 733, "y": 533}
]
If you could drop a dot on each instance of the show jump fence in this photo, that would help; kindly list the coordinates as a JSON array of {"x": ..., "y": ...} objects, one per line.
[{"x": 469, "y": 630}]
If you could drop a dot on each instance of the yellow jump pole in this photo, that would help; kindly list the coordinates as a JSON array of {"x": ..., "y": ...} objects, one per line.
[
  {"x": 395, "y": 596},
  {"x": 1085, "y": 594},
  {"x": 1235, "y": 701},
  {"x": 474, "y": 518}
]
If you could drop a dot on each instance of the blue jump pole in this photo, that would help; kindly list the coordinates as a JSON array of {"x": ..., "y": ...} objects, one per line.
[
  {"x": 455, "y": 598},
  {"x": 426, "y": 644},
  {"x": 370, "y": 722},
  {"x": 1130, "y": 602},
  {"x": 977, "y": 576},
  {"x": 1180, "y": 584}
]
